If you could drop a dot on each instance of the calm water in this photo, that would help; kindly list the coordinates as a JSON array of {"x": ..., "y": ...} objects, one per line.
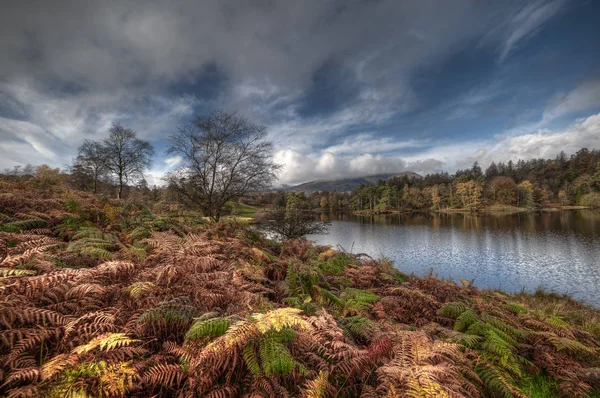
[{"x": 559, "y": 251}]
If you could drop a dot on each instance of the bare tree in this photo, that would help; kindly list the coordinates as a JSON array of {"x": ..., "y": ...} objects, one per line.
[
  {"x": 126, "y": 155},
  {"x": 224, "y": 156},
  {"x": 92, "y": 160}
]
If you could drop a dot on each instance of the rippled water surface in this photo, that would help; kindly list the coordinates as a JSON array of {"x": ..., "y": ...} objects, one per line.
[{"x": 559, "y": 251}]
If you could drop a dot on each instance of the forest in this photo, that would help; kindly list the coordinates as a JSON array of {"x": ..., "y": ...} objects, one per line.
[
  {"x": 142, "y": 296},
  {"x": 524, "y": 185}
]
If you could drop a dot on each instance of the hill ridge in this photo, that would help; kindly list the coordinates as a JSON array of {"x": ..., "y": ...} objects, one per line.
[{"x": 346, "y": 184}]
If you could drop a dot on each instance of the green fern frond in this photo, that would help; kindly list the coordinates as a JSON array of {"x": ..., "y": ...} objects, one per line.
[
  {"x": 211, "y": 328},
  {"x": 503, "y": 326},
  {"x": 359, "y": 326},
  {"x": 466, "y": 319},
  {"x": 557, "y": 322},
  {"x": 515, "y": 308},
  {"x": 497, "y": 382},
  {"x": 275, "y": 357},
  {"x": 563, "y": 343},
  {"x": 357, "y": 301},
  {"x": 25, "y": 225},
  {"x": 496, "y": 345},
  {"x": 453, "y": 309},
  {"x": 94, "y": 243},
  {"x": 90, "y": 233},
  {"x": 168, "y": 314},
  {"x": 95, "y": 252},
  {"x": 329, "y": 299},
  {"x": 302, "y": 302},
  {"x": 251, "y": 360}
]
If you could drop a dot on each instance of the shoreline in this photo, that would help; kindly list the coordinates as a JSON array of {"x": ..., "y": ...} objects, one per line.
[{"x": 496, "y": 210}]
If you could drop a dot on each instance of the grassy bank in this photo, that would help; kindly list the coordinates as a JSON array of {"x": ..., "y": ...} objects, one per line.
[{"x": 113, "y": 298}]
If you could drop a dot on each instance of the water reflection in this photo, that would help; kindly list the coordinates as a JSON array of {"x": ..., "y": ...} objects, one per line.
[{"x": 559, "y": 251}]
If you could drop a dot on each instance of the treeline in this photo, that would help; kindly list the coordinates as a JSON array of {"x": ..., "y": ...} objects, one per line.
[
  {"x": 531, "y": 184},
  {"x": 535, "y": 183}
]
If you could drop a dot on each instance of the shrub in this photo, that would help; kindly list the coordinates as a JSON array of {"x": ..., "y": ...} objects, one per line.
[{"x": 591, "y": 200}]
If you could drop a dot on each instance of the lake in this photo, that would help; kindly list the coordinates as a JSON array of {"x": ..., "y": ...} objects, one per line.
[{"x": 557, "y": 251}]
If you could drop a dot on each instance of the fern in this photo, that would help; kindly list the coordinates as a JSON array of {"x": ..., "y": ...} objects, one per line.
[
  {"x": 317, "y": 387},
  {"x": 25, "y": 225},
  {"x": 169, "y": 318},
  {"x": 557, "y": 321},
  {"x": 466, "y": 319},
  {"x": 105, "y": 342},
  {"x": 359, "y": 327},
  {"x": 453, "y": 309},
  {"x": 274, "y": 355},
  {"x": 515, "y": 308},
  {"x": 11, "y": 272},
  {"x": 329, "y": 299},
  {"x": 357, "y": 301},
  {"x": 211, "y": 328},
  {"x": 562, "y": 343},
  {"x": 139, "y": 289},
  {"x": 93, "y": 243}
]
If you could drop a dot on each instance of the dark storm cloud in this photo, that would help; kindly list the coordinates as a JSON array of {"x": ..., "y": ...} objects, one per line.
[{"x": 319, "y": 74}]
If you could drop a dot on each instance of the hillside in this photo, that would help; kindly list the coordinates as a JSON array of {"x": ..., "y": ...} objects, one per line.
[
  {"x": 113, "y": 298},
  {"x": 346, "y": 184}
]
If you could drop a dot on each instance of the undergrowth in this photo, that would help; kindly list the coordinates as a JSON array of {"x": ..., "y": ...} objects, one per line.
[{"x": 113, "y": 298}]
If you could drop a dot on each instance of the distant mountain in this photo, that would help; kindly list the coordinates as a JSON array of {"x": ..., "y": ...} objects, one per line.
[{"x": 346, "y": 184}]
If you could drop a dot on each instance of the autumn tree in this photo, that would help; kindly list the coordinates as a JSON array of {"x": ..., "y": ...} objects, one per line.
[
  {"x": 469, "y": 193},
  {"x": 525, "y": 194},
  {"x": 436, "y": 199},
  {"x": 411, "y": 196},
  {"x": 224, "y": 156},
  {"x": 562, "y": 197},
  {"x": 323, "y": 202},
  {"x": 127, "y": 157},
  {"x": 502, "y": 190}
]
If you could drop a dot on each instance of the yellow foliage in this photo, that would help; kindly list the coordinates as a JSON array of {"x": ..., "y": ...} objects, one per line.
[
  {"x": 105, "y": 342},
  {"x": 327, "y": 254},
  {"x": 316, "y": 388},
  {"x": 138, "y": 289},
  {"x": 279, "y": 319},
  {"x": 259, "y": 255},
  {"x": 112, "y": 212}
]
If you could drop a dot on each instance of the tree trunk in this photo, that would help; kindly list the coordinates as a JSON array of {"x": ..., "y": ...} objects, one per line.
[{"x": 120, "y": 191}]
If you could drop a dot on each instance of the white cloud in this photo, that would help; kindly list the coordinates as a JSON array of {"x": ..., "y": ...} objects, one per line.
[
  {"x": 69, "y": 79},
  {"x": 584, "y": 97},
  {"x": 544, "y": 143},
  {"x": 367, "y": 143},
  {"x": 300, "y": 168},
  {"x": 57, "y": 124},
  {"x": 173, "y": 161},
  {"x": 527, "y": 22},
  {"x": 584, "y": 133}
]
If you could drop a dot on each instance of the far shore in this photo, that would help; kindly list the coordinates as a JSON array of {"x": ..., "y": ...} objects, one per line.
[{"x": 494, "y": 209}]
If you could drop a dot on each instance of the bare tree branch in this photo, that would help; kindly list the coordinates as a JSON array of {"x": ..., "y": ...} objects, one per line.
[{"x": 224, "y": 157}]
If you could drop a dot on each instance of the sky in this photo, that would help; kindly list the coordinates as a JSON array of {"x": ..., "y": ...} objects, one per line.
[{"x": 344, "y": 87}]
